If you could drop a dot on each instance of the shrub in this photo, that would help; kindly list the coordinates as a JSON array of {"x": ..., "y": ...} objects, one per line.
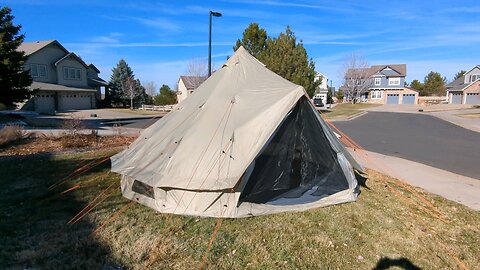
[
  {"x": 10, "y": 134},
  {"x": 73, "y": 126}
]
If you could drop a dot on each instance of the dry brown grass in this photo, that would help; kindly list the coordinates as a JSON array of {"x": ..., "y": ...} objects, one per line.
[
  {"x": 391, "y": 222},
  {"x": 9, "y": 134},
  {"x": 47, "y": 144},
  {"x": 469, "y": 115},
  {"x": 346, "y": 110}
]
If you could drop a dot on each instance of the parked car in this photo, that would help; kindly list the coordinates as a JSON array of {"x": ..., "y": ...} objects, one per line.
[{"x": 318, "y": 102}]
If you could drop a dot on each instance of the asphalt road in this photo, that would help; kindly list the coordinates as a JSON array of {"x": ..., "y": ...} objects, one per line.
[{"x": 420, "y": 138}]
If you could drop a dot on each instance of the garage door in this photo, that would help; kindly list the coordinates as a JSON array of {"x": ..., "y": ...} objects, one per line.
[
  {"x": 457, "y": 98},
  {"x": 472, "y": 98},
  {"x": 408, "y": 99},
  {"x": 45, "y": 103},
  {"x": 393, "y": 98},
  {"x": 70, "y": 102}
]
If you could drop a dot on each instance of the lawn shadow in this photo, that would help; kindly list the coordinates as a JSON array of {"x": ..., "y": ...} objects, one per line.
[
  {"x": 386, "y": 263},
  {"x": 34, "y": 233},
  {"x": 361, "y": 179},
  {"x": 17, "y": 142}
]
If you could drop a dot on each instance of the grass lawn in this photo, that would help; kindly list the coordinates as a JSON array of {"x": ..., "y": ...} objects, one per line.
[
  {"x": 469, "y": 115},
  {"x": 346, "y": 110},
  {"x": 389, "y": 225},
  {"x": 136, "y": 111}
]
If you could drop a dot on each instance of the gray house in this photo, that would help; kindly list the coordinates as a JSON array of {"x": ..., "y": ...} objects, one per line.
[
  {"x": 466, "y": 89},
  {"x": 63, "y": 80}
]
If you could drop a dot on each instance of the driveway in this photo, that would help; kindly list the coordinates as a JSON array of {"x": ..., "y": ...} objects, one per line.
[{"x": 420, "y": 138}]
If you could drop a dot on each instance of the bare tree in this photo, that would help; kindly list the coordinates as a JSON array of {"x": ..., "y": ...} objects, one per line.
[
  {"x": 355, "y": 76},
  {"x": 150, "y": 88},
  {"x": 130, "y": 88},
  {"x": 197, "y": 69}
]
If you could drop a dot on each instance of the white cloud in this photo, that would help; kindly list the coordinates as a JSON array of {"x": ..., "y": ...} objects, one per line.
[
  {"x": 159, "y": 23},
  {"x": 461, "y": 9}
]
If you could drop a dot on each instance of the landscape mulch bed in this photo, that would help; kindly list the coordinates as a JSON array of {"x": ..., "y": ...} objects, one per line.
[{"x": 49, "y": 144}]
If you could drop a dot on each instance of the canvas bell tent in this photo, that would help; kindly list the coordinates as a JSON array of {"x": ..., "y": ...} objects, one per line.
[{"x": 246, "y": 143}]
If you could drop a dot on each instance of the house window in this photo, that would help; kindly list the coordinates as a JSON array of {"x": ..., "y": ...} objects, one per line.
[
  {"x": 376, "y": 94},
  {"x": 378, "y": 81},
  {"x": 34, "y": 70},
  {"x": 71, "y": 73},
  {"x": 42, "y": 71},
  {"x": 394, "y": 81},
  {"x": 37, "y": 70},
  {"x": 474, "y": 77}
]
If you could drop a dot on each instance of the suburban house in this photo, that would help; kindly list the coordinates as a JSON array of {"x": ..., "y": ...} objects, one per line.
[
  {"x": 385, "y": 84},
  {"x": 322, "y": 89},
  {"x": 187, "y": 85},
  {"x": 466, "y": 89},
  {"x": 63, "y": 80}
]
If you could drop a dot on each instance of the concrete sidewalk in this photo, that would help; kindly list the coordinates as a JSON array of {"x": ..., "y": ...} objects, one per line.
[
  {"x": 454, "y": 118},
  {"x": 461, "y": 189}
]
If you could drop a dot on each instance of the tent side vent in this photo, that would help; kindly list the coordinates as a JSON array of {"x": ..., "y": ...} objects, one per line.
[{"x": 144, "y": 189}]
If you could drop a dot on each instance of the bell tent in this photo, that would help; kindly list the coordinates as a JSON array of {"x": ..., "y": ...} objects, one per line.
[{"x": 246, "y": 143}]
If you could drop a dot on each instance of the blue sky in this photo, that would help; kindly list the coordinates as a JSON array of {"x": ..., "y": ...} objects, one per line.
[{"x": 159, "y": 38}]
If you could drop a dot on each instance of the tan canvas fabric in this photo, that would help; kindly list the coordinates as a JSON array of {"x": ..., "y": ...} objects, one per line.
[{"x": 195, "y": 156}]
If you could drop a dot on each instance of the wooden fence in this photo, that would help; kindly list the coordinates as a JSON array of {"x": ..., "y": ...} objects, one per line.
[{"x": 164, "y": 108}]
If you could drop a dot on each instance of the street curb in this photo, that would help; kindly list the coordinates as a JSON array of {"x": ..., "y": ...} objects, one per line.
[
  {"x": 349, "y": 118},
  {"x": 451, "y": 186}
]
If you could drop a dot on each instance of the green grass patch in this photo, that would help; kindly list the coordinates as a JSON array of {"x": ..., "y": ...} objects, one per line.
[
  {"x": 346, "y": 110},
  {"x": 382, "y": 228}
]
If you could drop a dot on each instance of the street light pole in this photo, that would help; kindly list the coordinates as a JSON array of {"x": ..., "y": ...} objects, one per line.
[{"x": 216, "y": 14}]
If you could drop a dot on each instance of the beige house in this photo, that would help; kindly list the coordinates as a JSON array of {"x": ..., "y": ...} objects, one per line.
[
  {"x": 63, "y": 80},
  {"x": 187, "y": 85},
  {"x": 466, "y": 89}
]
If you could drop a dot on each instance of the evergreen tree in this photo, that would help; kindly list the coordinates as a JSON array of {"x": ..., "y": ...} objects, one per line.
[
  {"x": 140, "y": 94},
  {"x": 145, "y": 97},
  {"x": 433, "y": 84},
  {"x": 339, "y": 95},
  {"x": 282, "y": 55},
  {"x": 166, "y": 96},
  {"x": 254, "y": 40},
  {"x": 118, "y": 92},
  {"x": 417, "y": 85},
  {"x": 14, "y": 80},
  {"x": 329, "y": 95},
  {"x": 459, "y": 74}
]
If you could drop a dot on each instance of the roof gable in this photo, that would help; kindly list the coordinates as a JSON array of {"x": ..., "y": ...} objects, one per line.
[
  {"x": 92, "y": 66},
  {"x": 477, "y": 66},
  {"x": 71, "y": 55},
  {"x": 400, "y": 69},
  {"x": 192, "y": 82},
  {"x": 33, "y": 47}
]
